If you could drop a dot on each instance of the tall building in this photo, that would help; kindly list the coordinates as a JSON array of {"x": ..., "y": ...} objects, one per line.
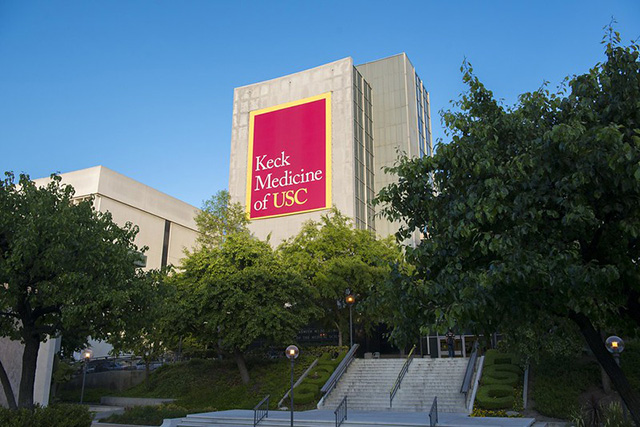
[{"x": 320, "y": 138}]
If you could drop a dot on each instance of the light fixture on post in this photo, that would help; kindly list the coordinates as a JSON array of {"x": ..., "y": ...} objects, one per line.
[
  {"x": 615, "y": 345},
  {"x": 292, "y": 353},
  {"x": 86, "y": 356},
  {"x": 350, "y": 300}
]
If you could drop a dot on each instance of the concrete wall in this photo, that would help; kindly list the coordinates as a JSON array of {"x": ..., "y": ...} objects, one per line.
[
  {"x": 395, "y": 125},
  {"x": 335, "y": 77},
  {"x": 11, "y": 357}
]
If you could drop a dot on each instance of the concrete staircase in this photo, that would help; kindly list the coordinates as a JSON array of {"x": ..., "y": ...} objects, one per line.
[
  {"x": 367, "y": 383},
  {"x": 428, "y": 378}
]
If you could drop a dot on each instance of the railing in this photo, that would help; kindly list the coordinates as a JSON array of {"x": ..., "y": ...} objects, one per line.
[
  {"x": 341, "y": 412},
  {"x": 466, "y": 382},
  {"x": 433, "y": 413},
  {"x": 403, "y": 371},
  {"x": 337, "y": 374},
  {"x": 260, "y": 411}
]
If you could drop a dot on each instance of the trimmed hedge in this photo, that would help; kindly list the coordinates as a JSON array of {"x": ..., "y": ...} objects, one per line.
[
  {"x": 496, "y": 374},
  {"x": 60, "y": 415},
  {"x": 495, "y": 396},
  {"x": 499, "y": 377},
  {"x": 305, "y": 393},
  {"x": 309, "y": 389},
  {"x": 319, "y": 375},
  {"x": 494, "y": 357}
]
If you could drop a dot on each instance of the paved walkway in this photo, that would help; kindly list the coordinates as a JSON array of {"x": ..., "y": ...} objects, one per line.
[{"x": 376, "y": 419}]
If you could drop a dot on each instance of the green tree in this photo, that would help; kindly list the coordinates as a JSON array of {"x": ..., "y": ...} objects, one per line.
[
  {"x": 64, "y": 269},
  {"x": 149, "y": 330},
  {"x": 219, "y": 218},
  {"x": 242, "y": 292},
  {"x": 332, "y": 256},
  {"x": 533, "y": 212}
]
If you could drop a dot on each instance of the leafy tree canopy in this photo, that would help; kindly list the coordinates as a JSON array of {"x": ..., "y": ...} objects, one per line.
[
  {"x": 332, "y": 256},
  {"x": 64, "y": 269},
  {"x": 533, "y": 212},
  {"x": 242, "y": 292},
  {"x": 218, "y": 218}
]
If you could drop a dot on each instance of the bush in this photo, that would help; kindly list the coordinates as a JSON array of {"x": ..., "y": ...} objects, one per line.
[
  {"x": 495, "y": 396},
  {"x": 151, "y": 415},
  {"x": 305, "y": 393},
  {"x": 319, "y": 375},
  {"x": 60, "y": 415},
  {"x": 558, "y": 383},
  {"x": 494, "y": 357},
  {"x": 496, "y": 374}
]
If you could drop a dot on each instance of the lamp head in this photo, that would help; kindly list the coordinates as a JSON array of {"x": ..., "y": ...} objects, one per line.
[
  {"x": 292, "y": 352},
  {"x": 350, "y": 299},
  {"x": 615, "y": 344}
]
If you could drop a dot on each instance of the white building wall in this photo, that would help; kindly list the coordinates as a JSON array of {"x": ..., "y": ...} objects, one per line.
[{"x": 335, "y": 77}]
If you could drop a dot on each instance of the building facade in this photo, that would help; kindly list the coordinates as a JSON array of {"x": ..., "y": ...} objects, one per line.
[
  {"x": 166, "y": 225},
  {"x": 319, "y": 138}
]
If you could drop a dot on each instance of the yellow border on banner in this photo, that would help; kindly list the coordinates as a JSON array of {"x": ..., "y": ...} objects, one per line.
[{"x": 328, "y": 165}]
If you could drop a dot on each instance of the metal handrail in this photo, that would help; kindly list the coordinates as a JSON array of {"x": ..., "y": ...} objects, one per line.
[
  {"x": 342, "y": 367},
  {"x": 468, "y": 375},
  {"x": 433, "y": 413},
  {"x": 341, "y": 412},
  {"x": 403, "y": 371},
  {"x": 259, "y": 413}
]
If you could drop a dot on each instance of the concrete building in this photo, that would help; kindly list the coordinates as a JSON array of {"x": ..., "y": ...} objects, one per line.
[
  {"x": 167, "y": 227},
  {"x": 320, "y": 138}
]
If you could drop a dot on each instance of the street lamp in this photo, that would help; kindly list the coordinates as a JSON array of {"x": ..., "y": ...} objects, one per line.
[
  {"x": 350, "y": 299},
  {"x": 615, "y": 345},
  {"x": 292, "y": 353},
  {"x": 86, "y": 355}
]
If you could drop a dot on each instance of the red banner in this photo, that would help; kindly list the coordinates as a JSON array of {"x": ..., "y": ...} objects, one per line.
[{"x": 289, "y": 165}]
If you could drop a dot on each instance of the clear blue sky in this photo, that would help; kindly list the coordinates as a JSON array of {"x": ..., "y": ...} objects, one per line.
[{"x": 146, "y": 87}]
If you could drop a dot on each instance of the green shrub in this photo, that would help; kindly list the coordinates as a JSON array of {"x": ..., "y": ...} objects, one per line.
[
  {"x": 494, "y": 357},
  {"x": 558, "y": 383},
  {"x": 305, "y": 393},
  {"x": 495, "y": 396},
  {"x": 496, "y": 374},
  {"x": 59, "y": 415},
  {"x": 151, "y": 415},
  {"x": 319, "y": 375}
]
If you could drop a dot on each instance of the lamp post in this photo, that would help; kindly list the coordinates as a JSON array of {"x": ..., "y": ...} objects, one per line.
[
  {"x": 615, "y": 345},
  {"x": 292, "y": 353},
  {"x": 86, "y": 355},
  {"x": 350, "y": 299}
]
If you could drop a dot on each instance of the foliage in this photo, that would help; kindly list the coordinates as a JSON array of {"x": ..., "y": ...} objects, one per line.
[
  {"x": 309, "y": 390},
  {"x": 150, "y": 415},
  {"x": 558, "y": 383},
  {"x": 199, "y": 383},
  {"x": 150, "y": 333},
  {"x": 332, "y": 257},
  {"x": 60, "y": 415},
  {"x": 66, "y": 269},
  {"x": 533, "y": 210},
  {"x": 500, "y": 376},
  {"x": 596, "y": 414},
  {"x": 218, "y": 219},
  {"x": 242, "y": 292}
]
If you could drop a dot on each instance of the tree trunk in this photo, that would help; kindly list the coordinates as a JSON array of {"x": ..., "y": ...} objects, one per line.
[
  {"x": 6, "y": 386},
  {"x": 28, "y": 377},
  {"x": 630, "y": 398},
  {"x": 242, "y": 366},
  {"x": 339, "y": 334}
]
